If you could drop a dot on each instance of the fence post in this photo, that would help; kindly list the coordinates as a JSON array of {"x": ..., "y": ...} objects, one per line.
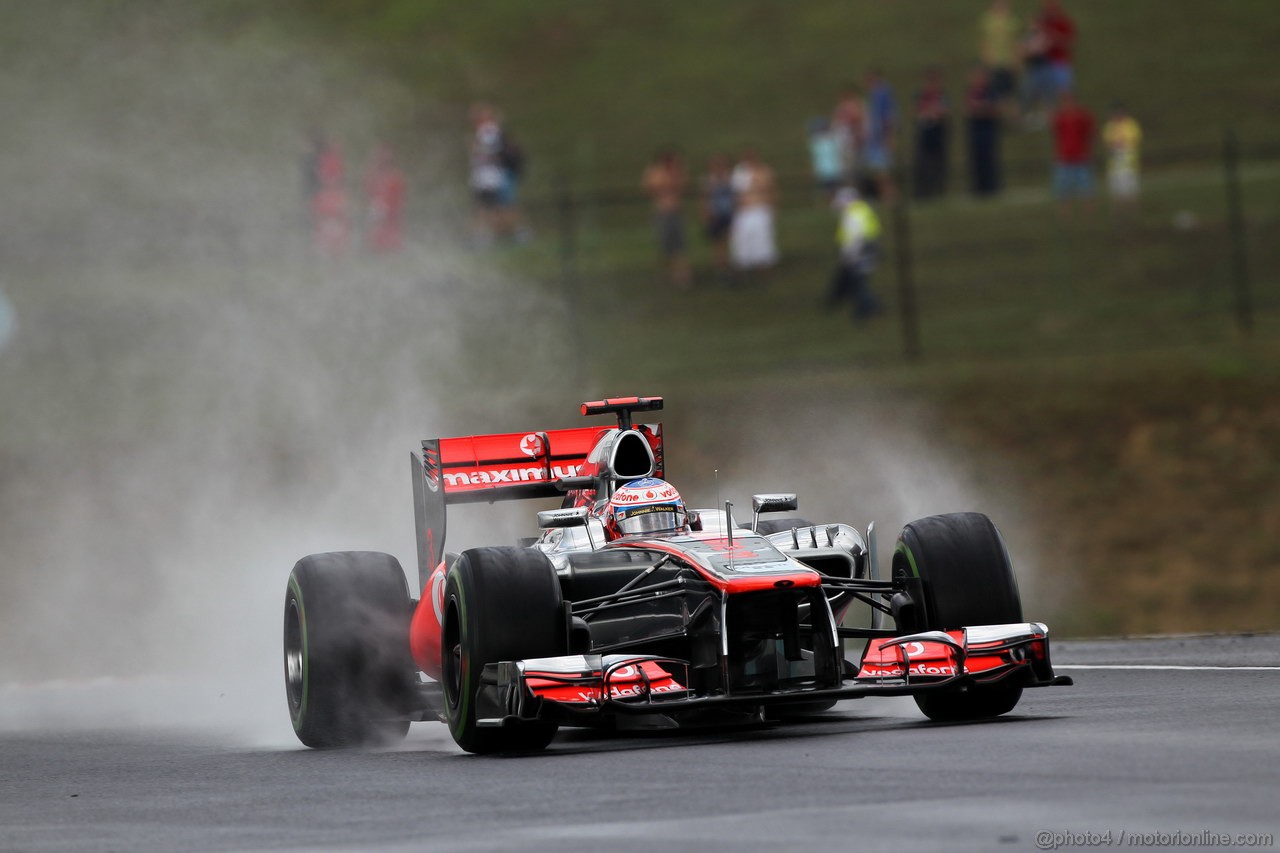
[
  {"x": 908, "y": 314},
  {"x": 567, "y": 220},
  {"x": 1236, "y": 229}
]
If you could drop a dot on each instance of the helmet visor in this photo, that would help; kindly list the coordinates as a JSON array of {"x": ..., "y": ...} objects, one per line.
[{"x": 651, "y": 519}]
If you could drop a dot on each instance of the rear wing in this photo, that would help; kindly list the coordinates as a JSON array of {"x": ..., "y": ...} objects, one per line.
[
  {"x": 508, "y": 466},
  {"x": 514, "y": 466}
]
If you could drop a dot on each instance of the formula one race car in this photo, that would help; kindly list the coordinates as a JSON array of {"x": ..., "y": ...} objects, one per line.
[{"x": 631, "y": 610}]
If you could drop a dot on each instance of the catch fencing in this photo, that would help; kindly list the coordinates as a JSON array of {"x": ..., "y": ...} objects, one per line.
[{"x": 1008, "y": 277}]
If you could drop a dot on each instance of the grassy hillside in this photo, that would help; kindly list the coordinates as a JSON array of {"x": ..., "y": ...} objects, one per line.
[{"x": 595, "y": 87}]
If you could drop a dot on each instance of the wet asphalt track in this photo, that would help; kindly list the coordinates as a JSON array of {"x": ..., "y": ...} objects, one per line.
[{"x": 1189, "y": 750}]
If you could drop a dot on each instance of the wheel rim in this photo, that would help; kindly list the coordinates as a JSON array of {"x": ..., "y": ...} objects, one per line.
[
  {"x": 452, "y": 658},
  {"x": 293, "y": 657},
  {"x": 455, "y": 671}
]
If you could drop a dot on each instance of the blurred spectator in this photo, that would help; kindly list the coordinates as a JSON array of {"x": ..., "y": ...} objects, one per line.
[
  {"x": 329, "y": 211},
  {"x": 1038, "y": 89},
  {"x": 825, "y": 155},
  {"x": 982, "y": 110},
  {"x": 665, "y": 182},
  {"x": 1060, "y": 33},
  {"x": 998, "y": 47},
  {"x": 881, "y": 118},
  {"x": 718, "y": 203},
  {"x": 1122, "y": 136},
  {"x": 933, "y": 117},
  {"x": 330, "y": 166},
  {"x": 511, "y": 157},
  {"x": 488, "y": 178},
  {"x": 311, "y": 167},
  {"x": 329, "y": 201},
  {"x": 8, "y": 320},
  {"x": 1073, "y": 130},
  {"x": 752, "y": 245},
  {"x": 848, "y": 122},
  {"x": 384, "y": 189},
  {"x": 858, "y": 238},
  {"x": 514, "y": 162}
]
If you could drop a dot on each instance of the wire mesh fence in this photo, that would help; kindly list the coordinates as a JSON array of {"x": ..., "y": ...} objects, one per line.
[{"x": 1007, "y": 277}]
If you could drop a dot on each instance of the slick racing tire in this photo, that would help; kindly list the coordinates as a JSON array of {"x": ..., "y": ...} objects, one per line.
[
  {"x": 767, "y": 526},
  {"x": 967, "y": 579},
  {"x": 348, "y": 673},
  {"x": 500, "y": 604}
]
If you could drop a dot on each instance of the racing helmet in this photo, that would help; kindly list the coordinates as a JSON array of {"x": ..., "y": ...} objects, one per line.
[{"x": 649, "y": 505}]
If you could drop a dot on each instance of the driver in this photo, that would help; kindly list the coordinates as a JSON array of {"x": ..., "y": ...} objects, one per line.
[{"x": 645, "y": 506}]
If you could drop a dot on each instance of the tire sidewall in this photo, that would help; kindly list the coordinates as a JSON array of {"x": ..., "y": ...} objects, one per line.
[
  {"x": 500, "y": 604},
  {"x": 964, "y": 568},
  {"x": 353, "y": 611},
  {"x": 460, "y": 696},
  {"x": 966, "y": 579}
]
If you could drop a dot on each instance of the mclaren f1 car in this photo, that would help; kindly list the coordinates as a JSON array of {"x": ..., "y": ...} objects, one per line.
[{"x": 630, "y": 610}]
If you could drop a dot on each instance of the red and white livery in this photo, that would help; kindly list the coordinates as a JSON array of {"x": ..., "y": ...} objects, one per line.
[{"x": 631, "y": 609}]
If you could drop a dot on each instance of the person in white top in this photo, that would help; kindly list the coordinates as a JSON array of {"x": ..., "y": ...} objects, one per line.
[{"x": 752, "y": 245}]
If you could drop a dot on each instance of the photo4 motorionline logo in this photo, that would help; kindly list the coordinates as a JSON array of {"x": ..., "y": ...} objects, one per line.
[{"x": 1056, "y": 840}]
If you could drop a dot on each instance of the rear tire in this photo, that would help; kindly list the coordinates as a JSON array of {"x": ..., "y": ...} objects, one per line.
[
  {"x": 500, "y": 604},
  {"x": 967, "y": 579},
  {"x": 348, "y": 674}
]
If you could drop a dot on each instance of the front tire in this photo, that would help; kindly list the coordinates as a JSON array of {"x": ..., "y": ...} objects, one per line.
[
  {"x": 500, "y": 604},
  {"x": 348, "y": 673},
  {"x": 967, "y": 579}
]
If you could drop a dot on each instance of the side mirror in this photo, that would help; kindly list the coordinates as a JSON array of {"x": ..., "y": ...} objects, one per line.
[
  {"x": 775, "y": 502},
  {"x": 572, "y": 517},
  {"x": 779, "y": 502}
]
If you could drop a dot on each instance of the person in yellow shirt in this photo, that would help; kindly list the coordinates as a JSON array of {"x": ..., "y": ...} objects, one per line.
[
  {"x": 858, "y": 239},
  {"x": 1122, "y": 137},
  {"x": 998, "y": 47}
]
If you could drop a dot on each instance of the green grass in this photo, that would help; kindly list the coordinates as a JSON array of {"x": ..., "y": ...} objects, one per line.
[
  {"x": 593, "y": 88},
  {"x": 1001, "y": 281}
]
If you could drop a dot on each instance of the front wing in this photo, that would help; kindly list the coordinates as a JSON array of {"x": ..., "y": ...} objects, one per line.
[{"x": 581, "y": 687}]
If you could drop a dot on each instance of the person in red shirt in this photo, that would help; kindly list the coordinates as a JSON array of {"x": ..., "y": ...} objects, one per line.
[
  {"x": 329, "y": 201},
  {"x": 384, "y": 200},
  {"x": 1073, "y": 130},
  {"x": 1059, "y": 32}
]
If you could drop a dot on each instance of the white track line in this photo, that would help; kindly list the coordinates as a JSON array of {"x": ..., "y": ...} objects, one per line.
[{"x": 1168, "y": 666}]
